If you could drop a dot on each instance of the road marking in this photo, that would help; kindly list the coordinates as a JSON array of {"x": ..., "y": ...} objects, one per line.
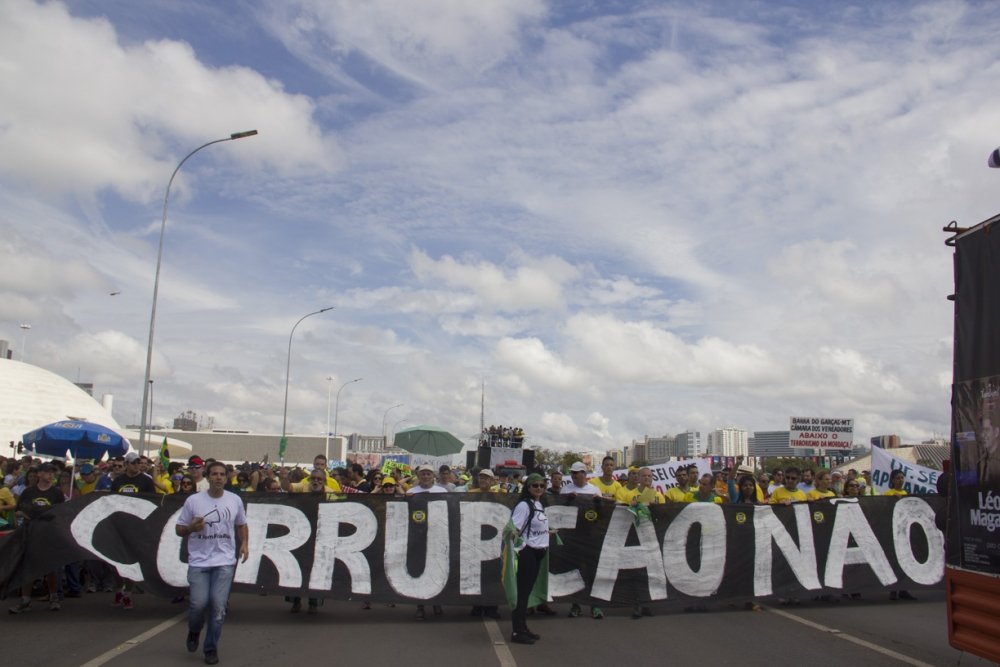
[
  {"x": 851, "y": 638},
  {"x": 130, "y": 644},
  {"x": 499, "y": 645}
]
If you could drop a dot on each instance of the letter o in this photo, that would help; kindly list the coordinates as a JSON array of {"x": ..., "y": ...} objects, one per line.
[{"x": 909, "y": 511}]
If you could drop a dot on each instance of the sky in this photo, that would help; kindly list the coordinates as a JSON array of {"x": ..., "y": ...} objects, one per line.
[{"x": 621, "y": 218}]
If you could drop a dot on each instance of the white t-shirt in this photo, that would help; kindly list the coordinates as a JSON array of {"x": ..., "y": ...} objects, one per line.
[
  {"x": 215, "y": 544},
  {"x": 537, "y": 534},
  {"x": 587, "y": 489},
  {"x": 437, "y": 488}
]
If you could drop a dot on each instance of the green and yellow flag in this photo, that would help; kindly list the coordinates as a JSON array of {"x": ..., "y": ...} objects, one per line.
[
  {"x": 164, "y": 454},
  {"x": 512, "y": 541}
]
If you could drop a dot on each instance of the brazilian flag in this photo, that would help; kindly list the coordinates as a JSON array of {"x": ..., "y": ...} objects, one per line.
[
  {"x": 512, "y": 542},
  {"x": 164, "y": 454}
]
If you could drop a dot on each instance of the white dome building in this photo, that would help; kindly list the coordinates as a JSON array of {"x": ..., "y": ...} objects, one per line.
[{"x": 31, "y": 397}]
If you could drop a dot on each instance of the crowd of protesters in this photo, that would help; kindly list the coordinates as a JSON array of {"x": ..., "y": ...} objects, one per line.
[
  {"x": 31, "y": 486},
  {"x": 502, "y": 436}
]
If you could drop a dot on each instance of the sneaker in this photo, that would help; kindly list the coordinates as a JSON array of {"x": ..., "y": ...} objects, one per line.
[
  {"x": 127, "y": 603},
  {"x": 192, "y": 641},
  {"x": 54, "y": 606},
  {"x": 366, "y": 605},
  {"x": 20, "y": 607},
  {"x": 420, "y": 613},
  {"x": 521, "y": 638},
  {"x": 531, "y": 634},
  {"x": 91, "y": 588},
  {"x": 119, "y": 596},
  {"x": 574, "y": 610},
  {"x": 211, "y": 657},
  {"x": 596, "y": 613}
]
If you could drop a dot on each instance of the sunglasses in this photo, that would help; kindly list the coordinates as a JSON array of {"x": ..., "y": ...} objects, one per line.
[
  {"x": 538, "y": 486},
  {"x": 186, "y": 484}
]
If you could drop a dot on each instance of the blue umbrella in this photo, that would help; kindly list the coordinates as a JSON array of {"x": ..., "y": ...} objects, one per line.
[{"x": 84, "y": 440}]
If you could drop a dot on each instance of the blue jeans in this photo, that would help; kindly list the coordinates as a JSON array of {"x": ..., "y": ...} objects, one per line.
[{"x": 209, "y": 595}]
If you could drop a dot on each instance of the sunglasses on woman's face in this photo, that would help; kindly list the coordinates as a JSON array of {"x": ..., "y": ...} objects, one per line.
[{"x": 538, "y": 486}]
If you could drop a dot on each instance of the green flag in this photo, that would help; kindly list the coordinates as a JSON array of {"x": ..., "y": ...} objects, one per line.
[
  {"x": 164, "y": 454},
  {"x": 508, "y": 573},
  {"x": 281, "y": 447}
]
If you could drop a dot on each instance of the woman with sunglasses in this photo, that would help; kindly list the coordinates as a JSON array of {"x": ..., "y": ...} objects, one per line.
[
  {"x": 531, "y": 543},
  {"x": 186, "y": 485}
]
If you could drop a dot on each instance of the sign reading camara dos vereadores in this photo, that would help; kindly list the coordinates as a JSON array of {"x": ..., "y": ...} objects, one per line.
[{"x": 821, "y": 433}]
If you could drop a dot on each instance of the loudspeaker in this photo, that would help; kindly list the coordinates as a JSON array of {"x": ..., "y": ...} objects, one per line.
[
  {"x": 483, "y": 460},
  {"x": 528, "y": 459},
  {"x": 470, "y": 460}
]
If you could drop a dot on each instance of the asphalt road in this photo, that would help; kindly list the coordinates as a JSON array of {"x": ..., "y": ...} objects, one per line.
[{"x": 260, "y": 631}]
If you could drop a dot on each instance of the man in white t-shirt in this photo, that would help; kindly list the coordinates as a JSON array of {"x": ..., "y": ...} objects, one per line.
[
  {"x": 426, "y": 481},
  {"x": 212, "y": 521},
  {"x": 578, "y": 484}
]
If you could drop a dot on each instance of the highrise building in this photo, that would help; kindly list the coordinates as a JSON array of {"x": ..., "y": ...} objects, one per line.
[
  {"x": 770, "y": 443},
  {"x": 689, "y": 444},
  {"x": 729, "y": 441}
]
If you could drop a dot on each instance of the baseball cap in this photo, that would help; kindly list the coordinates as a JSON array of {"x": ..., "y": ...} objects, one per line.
[
  {"x": 579, "y": 466},
  {"x": 487, "y": 472},
  {"x": 86, "y": 469},
  {"x": 388, "y": 481},
  {"x": 196, "y": 461},
  {"x": 425, "y": 466},
  {"x": 131, "y": 456}
]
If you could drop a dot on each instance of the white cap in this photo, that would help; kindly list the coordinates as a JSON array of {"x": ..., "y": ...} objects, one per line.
[{"x": 579, "y": 466}]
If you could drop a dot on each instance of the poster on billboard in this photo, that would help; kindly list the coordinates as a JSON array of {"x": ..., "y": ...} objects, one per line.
[{"x": 821, "y": 433}]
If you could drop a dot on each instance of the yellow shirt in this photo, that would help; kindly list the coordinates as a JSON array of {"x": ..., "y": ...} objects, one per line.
[
  {"x": 894, "y": 492},
  {"x": 819, "y": 495},
  {"x": 7, "y": 498},
  {"x": 782, "y": 493},
  {"x": 676, "y": 495},
  {"x": 303, "y": 487},
  {"x": 608, "y": 490},
  {"x": 693, "y": 498}
]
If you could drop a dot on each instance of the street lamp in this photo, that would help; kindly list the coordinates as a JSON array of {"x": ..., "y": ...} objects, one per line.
[
  {"x": 385, "y": 442},
  {"x": 156, "y": 279},
  {"x": 393, "y": 429},
  {"x": 24, "y": 338},
  {"x": 288, "y": 368},
  {"x": 336, "y": 412}
]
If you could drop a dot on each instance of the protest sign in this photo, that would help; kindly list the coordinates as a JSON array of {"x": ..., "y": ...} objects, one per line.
[
  {"x": 917, "y": 479},
  {"x": 445, "y": 548},
  {"x": 821, "y": 433}
]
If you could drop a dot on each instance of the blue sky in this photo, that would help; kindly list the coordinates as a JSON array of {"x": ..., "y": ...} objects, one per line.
[{"x": 627, "y": 218}]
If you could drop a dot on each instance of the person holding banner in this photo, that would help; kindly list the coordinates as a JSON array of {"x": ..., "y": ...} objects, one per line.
[
  {"x": 896, "y": 480},
  {"x": 790, "y": 492},
  {"x": 821, "y": 486},
  {"x": 531, "y": 544}
]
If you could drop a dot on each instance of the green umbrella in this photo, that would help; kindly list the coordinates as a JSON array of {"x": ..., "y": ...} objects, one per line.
[{"x": 429, "y": 440}]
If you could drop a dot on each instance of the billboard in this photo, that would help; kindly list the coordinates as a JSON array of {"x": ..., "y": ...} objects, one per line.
[{"x": 821, "y": 433}]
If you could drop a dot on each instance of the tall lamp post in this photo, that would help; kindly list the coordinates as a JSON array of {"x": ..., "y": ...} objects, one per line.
[
  {"x": 336, "y": 413},
  {"x": 288, "y": 368},
  {"x": 392, "y": 431},
  {"x": 156, "y": 280},
  {"x": 384, "y": 440}
]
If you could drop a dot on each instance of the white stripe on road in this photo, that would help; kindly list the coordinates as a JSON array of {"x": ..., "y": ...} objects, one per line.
[
  {"x": 130, "y": 644},
  {"x": 851, "y": 638},
  {"x": 499, "y": 645}
]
